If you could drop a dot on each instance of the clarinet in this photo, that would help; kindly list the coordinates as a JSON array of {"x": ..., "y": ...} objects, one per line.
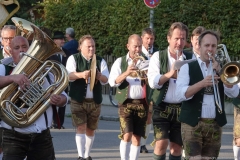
[{"x": 149, "y": 51}]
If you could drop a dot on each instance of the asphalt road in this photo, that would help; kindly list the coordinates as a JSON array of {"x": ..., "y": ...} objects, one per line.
[{"x": 106, "y": 144}]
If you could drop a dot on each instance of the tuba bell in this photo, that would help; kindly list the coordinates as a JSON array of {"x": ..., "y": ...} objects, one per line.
[{"x": 20, "y": 108}]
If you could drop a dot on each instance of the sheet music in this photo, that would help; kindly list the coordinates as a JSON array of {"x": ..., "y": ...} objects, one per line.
[{"x": 178, "y": 64}]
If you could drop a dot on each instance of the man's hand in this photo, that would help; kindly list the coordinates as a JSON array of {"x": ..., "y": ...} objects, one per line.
[
  {"x": 86, "y": 74},
  {"x": 21, "y": 79},
  {"x": 215, "y": 64},
  {"x": 173, "y": 72},
  {"x": 207, "y": 81},
  {"x": 98, "y": 75},
  {"x": 58, "y": 100},
  {"x": 130, "y": 69}
]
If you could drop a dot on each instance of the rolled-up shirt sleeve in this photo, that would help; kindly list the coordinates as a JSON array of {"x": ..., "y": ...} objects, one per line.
[
  {"x": 104, "y": 70},
  {"x": 154, "y": 71},
  {"x": 115, "y": 72},
  {"x": 182, "y": 83},
  {"x": 52, "y": 80},
  {"x": 231, "y": 92},
  {"x": 71, "y": 66}
]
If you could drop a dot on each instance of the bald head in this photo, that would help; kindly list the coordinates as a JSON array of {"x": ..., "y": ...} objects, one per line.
[
  {"x": 134, "y": 45},
  {"x": 18, "y": 44},
  {"x": 134, "y": 37}
]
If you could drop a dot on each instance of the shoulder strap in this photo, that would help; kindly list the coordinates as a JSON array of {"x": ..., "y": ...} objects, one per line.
[
  {"x": 8, "y": 70},
  {"x": 54, "y": 108}
]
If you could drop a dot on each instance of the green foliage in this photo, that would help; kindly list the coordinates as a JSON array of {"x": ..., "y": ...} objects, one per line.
[
  {"x": 111, "y": 22},
  {"x": 25, "y": 6}
]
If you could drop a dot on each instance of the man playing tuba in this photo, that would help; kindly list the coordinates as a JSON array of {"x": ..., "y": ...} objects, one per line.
[{"x": 34, "y": 141}]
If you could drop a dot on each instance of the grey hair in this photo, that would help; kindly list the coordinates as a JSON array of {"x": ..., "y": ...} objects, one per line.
[
  {"x": 70, "y": 32},
  {"x": 8, "y": 27},
  {"x": 12, "y": 27}
]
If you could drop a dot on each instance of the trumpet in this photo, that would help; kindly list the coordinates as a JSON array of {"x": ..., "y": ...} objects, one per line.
[{"x": 141, "y": 68}]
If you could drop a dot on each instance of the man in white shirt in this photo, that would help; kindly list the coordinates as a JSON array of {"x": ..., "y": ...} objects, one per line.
[
  {"x": 34, "y": 141},
  {"x": 8, "y": 33},
  {"x": 194, "y": 41},
  {"x": 86, "y": 103},
  {"x": 131, "y": 96},
  {"x": 148, "y": 38},
  {"x": 201, "y": 117},
  {"x": 162, "y": 78}
]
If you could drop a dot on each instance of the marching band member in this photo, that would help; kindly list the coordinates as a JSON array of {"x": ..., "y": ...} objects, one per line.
[
  {"x": 148, "y": 38},
  {"x": 201, "y": 118},
  {"x": 162, "y": 78},
  {"x": 34, "y": 141},
  {"x": 86, "y": 104},
  {"x": 236, "y": 127},
  {"x": 131, "y": 96}
]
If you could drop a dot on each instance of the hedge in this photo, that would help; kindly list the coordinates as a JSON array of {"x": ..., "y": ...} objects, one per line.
[{"x": 111, "y": 22}]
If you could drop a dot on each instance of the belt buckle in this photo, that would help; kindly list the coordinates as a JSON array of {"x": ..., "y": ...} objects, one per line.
[{"x": 136, "y": 101}]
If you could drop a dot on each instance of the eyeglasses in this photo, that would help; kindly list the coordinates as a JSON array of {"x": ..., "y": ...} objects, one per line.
[{"x": 7, "y": 38}]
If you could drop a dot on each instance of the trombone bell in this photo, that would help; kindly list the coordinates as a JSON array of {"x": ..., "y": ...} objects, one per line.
[{"x": 230, "y": 74}]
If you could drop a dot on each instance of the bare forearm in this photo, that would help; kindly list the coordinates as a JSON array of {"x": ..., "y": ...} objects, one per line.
[
  {"x": 192, "y": 90},
  {"x": 121, "y": 78},
  {"x": 103, "y": 79},
  {"x": 164, "y": 78},
  {"x": 5, "y": 81},
  {"x": 75, "y": 75}
]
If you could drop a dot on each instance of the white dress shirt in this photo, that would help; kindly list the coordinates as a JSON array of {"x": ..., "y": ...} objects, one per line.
[
  {"x": 5, "y": 55},
  {"x": 154, "y": 76},
  {"x": 40, "y": 124},
  {"x": 135, "y": 90},
  {"x": 208, "y": 105},
  {"x": 195, "y": 55},
  {"x": 71, "y": 67},
  {"x": 146, "y": 52}
]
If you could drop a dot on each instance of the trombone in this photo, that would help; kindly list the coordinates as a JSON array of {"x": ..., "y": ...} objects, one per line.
[
  {"x": 229, "y": 74},
  {"x": 215, "y": 87}
]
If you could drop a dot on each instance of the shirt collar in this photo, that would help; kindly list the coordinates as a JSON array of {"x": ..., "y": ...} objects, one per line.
[
  {"x": 86, "y": 58},
  {"x": 200, "y": 62},
  {"x": 145, "y": 51},
  {"x": 5, "y": 55}
]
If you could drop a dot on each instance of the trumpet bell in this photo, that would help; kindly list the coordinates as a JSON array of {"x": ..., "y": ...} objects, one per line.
[{"x": 230, "y": 74}]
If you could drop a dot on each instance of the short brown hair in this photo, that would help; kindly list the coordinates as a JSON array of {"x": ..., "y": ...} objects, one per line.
[
  {"x": 214, "y": 33},
  {"x": 149, "y": 31},
  {"x": 85, "y": 37},
  {"x": 197, "y": 31},
  {"x": 178, "y": 25}
]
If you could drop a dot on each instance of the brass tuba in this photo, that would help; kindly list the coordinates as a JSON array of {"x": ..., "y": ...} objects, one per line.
[{"x": 20, "y": 108}]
